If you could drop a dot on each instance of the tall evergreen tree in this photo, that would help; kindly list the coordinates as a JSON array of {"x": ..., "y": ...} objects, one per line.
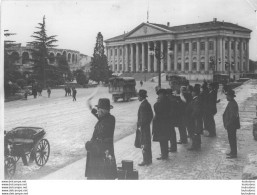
[
  {"x": 99, "y": 70},
  {"x": 39, "y": 48}
]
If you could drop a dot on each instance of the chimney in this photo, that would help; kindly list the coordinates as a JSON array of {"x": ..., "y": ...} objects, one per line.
[
  {"x": 168, "y": 24},
  {"x": 214, "y": 19}
]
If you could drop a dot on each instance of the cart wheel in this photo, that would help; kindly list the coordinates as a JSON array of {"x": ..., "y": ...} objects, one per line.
[
  {"x": 42, "y": 152},
  {"x": 9, "y": 167}
]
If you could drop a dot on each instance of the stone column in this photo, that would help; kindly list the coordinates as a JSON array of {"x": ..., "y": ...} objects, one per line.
[
  {"x": 118, "y": 58},
  {"x": 132, "y": 57},
  {"x": 229, "y": 52},
  {"x": 198, "y": 55},
  {"x": 113, "y": 59},
  {"x": 242, "y": 54},
  {"x": 247, "y": 55},
  {"x": 190, "y": 55},
  {"x": 149, "y": 57},
  {"x": 162, "y": 62},
  {"x": 137, "y": 57},
  {"x": 126, "y": 58},
  {"x": 223, "y": 53},
  {"x": 236, "y": 54},
  {"x": 168, "y": 56},
  {"x": 123, "y": 59},
  {"x": 206, "y": 68},
  {"x": 143, "y": 57},
  {"x": 182, "y": 55},
  {"x": 215, "y": 53},
  {"x": 155, "y": 60},
  {"x": 175, "y": 56}
]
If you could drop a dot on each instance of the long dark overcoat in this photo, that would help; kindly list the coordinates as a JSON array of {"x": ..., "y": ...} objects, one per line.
[
  {"x": 210, "y": 103},
  {"x": 102, "y": 139},
  {"x": 145, "y": 116},
  {"x": 161, "y": 120},
  {"x": 194, "y": 116},
  {"x": 231, "y": 116}
]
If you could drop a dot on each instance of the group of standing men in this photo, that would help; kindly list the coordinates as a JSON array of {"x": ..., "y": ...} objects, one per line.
[
  {"x": 68, "y": 91},
  {"x": 192, "y": 112}
]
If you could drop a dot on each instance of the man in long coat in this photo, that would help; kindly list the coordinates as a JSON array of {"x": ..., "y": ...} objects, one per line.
[
  {"x": 161, "y": 123},
  {"x": 231, "y": 122},
  {"x": 145, "y": 116},
  {"x": 194, "y": 119},
  {"x": 210, "y": 109},
  {"x": 101, "y": 163}
]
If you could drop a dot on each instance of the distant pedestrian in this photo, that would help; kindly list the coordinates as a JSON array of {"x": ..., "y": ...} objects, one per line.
[
  {"x": 74, "y": 93},
  {"x": 66, "y": 90},
  {"x": 39, "y": 90},
  {"x": 145, "y": 116},
  {"x": 48, "y": 91},
  {"x": 69, "y": 91},
  {"x": 141, "y": 83},
  {"x": 161, "y": 123},
  {"x": 231, "y": 122}
]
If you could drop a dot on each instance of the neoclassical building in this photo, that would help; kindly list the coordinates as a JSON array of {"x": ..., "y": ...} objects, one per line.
[
  {"x": 194, "y": 50},
  {"x": 74, "y": 58}
]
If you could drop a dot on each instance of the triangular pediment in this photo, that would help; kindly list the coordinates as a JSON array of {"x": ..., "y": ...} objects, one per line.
[{"x": 146, "y": 29}]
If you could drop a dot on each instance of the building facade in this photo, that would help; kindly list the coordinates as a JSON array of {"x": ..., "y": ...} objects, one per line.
[
  {"x": 75, "y": 59},
  {"x": 194, "y": 50}
]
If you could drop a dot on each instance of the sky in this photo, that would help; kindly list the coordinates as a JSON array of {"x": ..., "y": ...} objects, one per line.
[{"x": 76, "y": 23}]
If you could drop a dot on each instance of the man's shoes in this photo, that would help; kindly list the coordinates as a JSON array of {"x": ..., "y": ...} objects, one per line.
[
  {"x": 231, "y": 156},
  {"x": 142, "y": 164},
  {"x": 228, "y": 154},
  {"x": 162, "y": 158}
]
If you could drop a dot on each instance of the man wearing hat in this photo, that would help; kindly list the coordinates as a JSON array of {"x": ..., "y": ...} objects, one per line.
[
  {"x": 162, "y": 123},
  {"x": 194, "y": 119},
  {"x": 231, "y": 122},
  {"x": 145, "y": 116},
  {"x": 101, "y": 163}
]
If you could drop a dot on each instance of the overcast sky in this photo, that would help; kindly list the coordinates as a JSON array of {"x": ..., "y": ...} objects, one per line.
[{"x": 77, "y": 22}]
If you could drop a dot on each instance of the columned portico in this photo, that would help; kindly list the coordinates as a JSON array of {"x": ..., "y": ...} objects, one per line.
[{"x": 186, "y": 52}]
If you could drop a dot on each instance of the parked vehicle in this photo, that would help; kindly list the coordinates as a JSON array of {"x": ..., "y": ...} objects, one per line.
[
  {"x": 221, "y": 78},
  {"x": 122, "y": 87},
  {"x": 27, "y": 143}
]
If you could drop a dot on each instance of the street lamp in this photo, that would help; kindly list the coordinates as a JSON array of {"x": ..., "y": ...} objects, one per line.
[{"x": 159, "y": 55}]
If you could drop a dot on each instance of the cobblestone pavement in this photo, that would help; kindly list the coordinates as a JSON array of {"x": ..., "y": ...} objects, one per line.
[{"x": 208, "y": 163}]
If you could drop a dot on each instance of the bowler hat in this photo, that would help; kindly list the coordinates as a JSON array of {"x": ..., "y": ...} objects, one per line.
[
  {"x": 230, "y": 92},
  {"x": 104, "y": 103},
  {"x": 161, "y": 91},
  {"x": 142, "y": 93}
]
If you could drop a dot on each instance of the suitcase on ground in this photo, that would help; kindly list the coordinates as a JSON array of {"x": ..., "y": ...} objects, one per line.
[{"x": 127, "y": 175}]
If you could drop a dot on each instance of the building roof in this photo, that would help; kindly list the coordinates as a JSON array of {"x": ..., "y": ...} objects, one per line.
[{"x": 205, "y": 26}]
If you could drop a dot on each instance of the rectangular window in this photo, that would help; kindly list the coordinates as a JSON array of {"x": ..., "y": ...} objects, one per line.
[
  {"x": 120, "y": 51},
  {"x": 194, "y": 46},
  {"x": 111, "y": 52},
  {"x": 179, "y": 47},
  {"x": 202, "y": 46},
  {"x": 211, "y": 45},
  {"x": 238, "y": 46},
  {"x": 186, "y": 46},
  {"x": 116, "y": 52}
]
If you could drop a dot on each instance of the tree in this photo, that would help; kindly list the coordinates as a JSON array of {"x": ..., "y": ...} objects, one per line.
[
  {"x": 99, "y": 70},
  {"x": 40, "y": 56},
  {"x": 81, "y": 77}
]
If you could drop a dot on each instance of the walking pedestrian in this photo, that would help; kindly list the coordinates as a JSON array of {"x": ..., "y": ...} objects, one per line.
[
  {"x": 145, "y": 116},
  {"x": 48, "y": 91},
  {"x": 69, "y": 91},
  {"x": 141, "y": 83},
  {"x": 231, "y": 122},
  {"x": 161, "y": 123},
  {"x": 101, "y": 163},
  {"x": 74, "y": 93},
  {"x": 194, "y": 119},
  {"x": 66, "y": 90}
]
